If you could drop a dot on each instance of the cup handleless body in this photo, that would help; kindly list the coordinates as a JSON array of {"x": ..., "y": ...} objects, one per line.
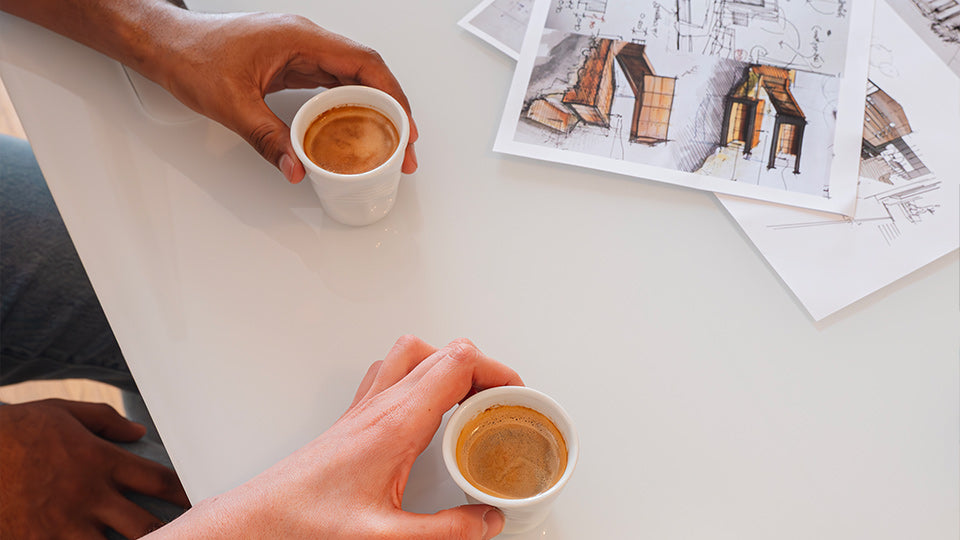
[
  {"x": 521, "y": 514},
  {"x": 354, "y": 199}
]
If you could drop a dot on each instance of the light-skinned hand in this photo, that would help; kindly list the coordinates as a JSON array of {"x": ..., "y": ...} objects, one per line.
[
  {"x": 348, "y": 483},
  {"x": 62, "y": 477}
]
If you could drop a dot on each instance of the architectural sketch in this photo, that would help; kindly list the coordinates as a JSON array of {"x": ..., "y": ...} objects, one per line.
[
  {"x": 745, "y": 115},
  {"x": 937, "y": 22},
  {"x": 906, "y": 217},
  {"x": 590, "y": 98},
  {"x": 885, "y": 154},
  {"x": 887, "y": 211},
  {"x": 944, "y": 17},
  {"x": 797, "y": 35},
  {"x": 747, "y": 123},
  {"x": 603, "y": 84},
  {"x": 908, "y": 208},
  {"x": 718, "y": 25},
  {"x": 887, "y": 159},
  {"x": 767, "y": 122},
  {"x": 586, "y": 13}
]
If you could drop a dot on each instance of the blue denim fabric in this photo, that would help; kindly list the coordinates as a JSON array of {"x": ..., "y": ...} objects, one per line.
[{"x": 51, "y": 323}]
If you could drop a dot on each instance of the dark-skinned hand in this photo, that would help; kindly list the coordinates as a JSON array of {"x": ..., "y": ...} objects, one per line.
[{"x": 63, "y": 477}]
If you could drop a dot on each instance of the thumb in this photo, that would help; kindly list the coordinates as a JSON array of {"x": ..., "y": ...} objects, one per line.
[
  {"x": 468, "y": 522},
  {"x": 270, "y": 137},
  {"x": 104, "y": 421}
]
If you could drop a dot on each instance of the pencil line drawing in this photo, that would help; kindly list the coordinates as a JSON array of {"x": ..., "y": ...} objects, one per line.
[
  {"x": 888, "y": 159},
  {"x": 937, "y": 22},
  {"x": 908, "y": 204},
  {"x": 796, "y": 35},
  {"x": 944, "y": 17},
  {"x": 586, "y": 13}
]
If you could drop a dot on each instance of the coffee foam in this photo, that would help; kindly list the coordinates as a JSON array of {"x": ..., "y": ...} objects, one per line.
[
  {"x": 350, "y": 139},
  {"x": 511, "y": 452}
]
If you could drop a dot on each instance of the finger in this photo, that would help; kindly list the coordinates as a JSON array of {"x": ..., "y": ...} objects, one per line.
[
  {"x": 270, "y": 137},
  {"x": 366, "y": 383},
  {"x": 469, "y": 522},
  {"x": 353, "y": 63},
  {"x": 126, "y": 517},
  {"x": 374, "y": 73},
  {"x": 135, "y": 473},
  {"x": 403, "y": 357},
  {"x": 409, "y": 160},
  {"x": 450, "y": 374},
  {"x": 410, "y": 163},
  {"x": 104, "y": 421}
]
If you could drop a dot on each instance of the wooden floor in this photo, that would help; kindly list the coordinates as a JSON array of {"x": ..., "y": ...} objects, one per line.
[{"x": 76, "y": 389}]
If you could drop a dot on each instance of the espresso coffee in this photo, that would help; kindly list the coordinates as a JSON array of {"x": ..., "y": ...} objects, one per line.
[
  {"x": 350, "y": 139},
  {"x": 511, "y": 452}
]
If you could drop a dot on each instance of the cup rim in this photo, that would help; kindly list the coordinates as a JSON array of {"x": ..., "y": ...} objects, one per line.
[
  {"x": 450, "y": 441},
  {"x": 296, "y": 138}
]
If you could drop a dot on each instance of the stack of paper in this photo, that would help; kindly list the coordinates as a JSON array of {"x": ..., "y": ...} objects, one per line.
[{"x": 761, "y": 102}]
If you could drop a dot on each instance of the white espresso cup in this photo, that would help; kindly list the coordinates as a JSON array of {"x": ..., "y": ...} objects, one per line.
[
  {"x": 525, "y": 514},
  {"x": 353, "y": 199}
]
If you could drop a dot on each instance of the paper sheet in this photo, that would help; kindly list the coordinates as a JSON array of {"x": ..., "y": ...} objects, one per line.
[
  {"x": 739, "y": 100},
  {"x": 909, "y": 209},
  {"x": 501, "y": 23},
  {"x": 937, "y": 22},
  {"x": 906, "y": 218}
]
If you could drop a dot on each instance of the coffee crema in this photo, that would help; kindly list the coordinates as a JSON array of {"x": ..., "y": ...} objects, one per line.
[
  {"x": 350, "y": 139},
  {"x": 511, "y": 452}
]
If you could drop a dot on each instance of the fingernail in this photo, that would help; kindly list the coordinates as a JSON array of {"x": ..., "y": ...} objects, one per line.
[
  {"x": 492, "y": 523},
  {"x": 286, "y": 167}
]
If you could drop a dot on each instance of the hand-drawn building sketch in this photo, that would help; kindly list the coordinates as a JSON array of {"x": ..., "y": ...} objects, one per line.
[
  {"x": 887, "y": 159},
  {"x": 606, "y": 86},
  {"x": 908, "y": 203},
  {"x": 937, "y": 22},
  {"x": 746, "y": 116},
  {"x": 590, "y": 98},
  {"x": 770, "y": 118},
  {"x": 749, "y": 123},
  {"x": 884, "y": 153},
  {"x": 944, "y": 16}
]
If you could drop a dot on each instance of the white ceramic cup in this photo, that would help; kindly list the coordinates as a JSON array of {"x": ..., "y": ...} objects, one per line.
[
  {"x": 353, "y": 199},
  {"x": 521, "y": 514}
]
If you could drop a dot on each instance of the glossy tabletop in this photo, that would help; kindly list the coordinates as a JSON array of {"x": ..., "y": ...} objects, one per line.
[{"x": 709, "y": 404}]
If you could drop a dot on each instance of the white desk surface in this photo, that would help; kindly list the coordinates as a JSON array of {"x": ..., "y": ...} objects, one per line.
[{"x": 709, "y": 404}]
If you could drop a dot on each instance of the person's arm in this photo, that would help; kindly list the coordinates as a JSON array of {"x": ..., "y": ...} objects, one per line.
[
  {"x": 348, "y": 483},
  {"x": 222, "y": 65}
]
